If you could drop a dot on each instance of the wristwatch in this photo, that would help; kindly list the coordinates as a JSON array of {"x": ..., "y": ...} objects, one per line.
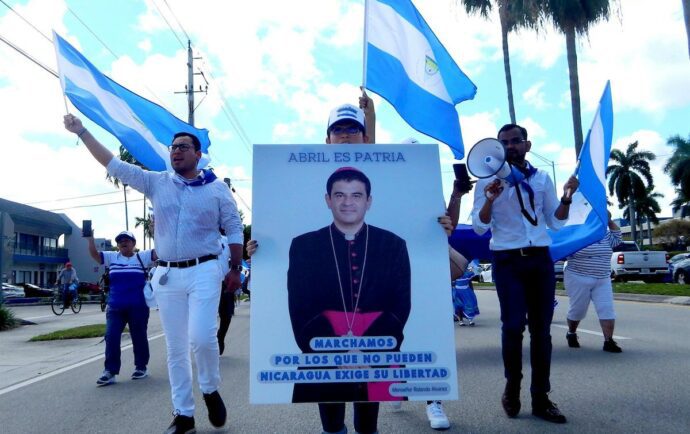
[{"x": 237, "y": 267}]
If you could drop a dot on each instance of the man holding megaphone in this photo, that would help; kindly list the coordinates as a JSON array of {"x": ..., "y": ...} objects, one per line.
[{"x": 517, "y": 202}]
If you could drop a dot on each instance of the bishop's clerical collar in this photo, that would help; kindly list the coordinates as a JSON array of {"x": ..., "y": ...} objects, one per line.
[{"x": 348, "y": 237}]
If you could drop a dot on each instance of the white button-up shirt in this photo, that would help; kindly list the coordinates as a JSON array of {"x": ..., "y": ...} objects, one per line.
[
  {"x": 188, "y": 218},
  {"x": 509, "y": 228}
]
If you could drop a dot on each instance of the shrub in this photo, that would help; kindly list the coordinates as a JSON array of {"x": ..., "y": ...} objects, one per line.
[{"x": 7, "y": 320}]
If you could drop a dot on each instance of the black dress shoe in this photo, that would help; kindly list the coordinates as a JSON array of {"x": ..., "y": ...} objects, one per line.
[
  {"x": 547, "y": 410},
  {"x": 217, "y": 414},
  {"x": 181, "y": 425},
  {"x": 612, "y": 347},
  {"x": 511, "y": 401},
  {"x": 572, "y": 340}
]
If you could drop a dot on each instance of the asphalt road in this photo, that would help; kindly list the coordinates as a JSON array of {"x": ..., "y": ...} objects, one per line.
[{"x": 644, "y": 389}]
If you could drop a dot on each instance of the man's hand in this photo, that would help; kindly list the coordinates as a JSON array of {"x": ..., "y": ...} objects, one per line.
[
  {"x": 73, "y": 124},
  {"x": 366, "y": 104},
  {"x": 570, "y": 187},
  {"x": 232, "y": 281},
  {"x": 493, "y": 190},
  {"x": 252, "y": 245},
  {"x": 446, "y": 224}
]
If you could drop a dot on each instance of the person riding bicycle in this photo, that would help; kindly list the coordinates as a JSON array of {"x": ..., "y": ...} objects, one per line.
[{"x": 67, "y": 281}]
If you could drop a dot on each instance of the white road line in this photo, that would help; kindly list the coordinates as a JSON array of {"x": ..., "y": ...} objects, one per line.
[
  {"x": 590, "y": 332},
  {"x": 64, "y": 369}
]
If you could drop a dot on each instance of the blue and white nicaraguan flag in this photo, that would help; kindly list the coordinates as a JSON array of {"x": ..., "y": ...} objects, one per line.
[
  {"x": 144, "y": 128},
  {"x": 407, "y": 65},
  {"x": 588, "y": 217}
]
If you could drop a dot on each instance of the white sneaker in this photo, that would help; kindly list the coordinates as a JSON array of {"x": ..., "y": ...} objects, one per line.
[
  {"x": 105, "y": 379},
  {"x": 437, "y": 417}
]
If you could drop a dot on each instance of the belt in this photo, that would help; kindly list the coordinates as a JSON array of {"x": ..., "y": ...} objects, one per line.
[
  {"x": 188, "y": 262},
  {"x": 525, "y": 251}
]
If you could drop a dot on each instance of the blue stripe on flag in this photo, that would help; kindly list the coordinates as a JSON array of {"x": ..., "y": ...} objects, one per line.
[
  {"x": 594, "y": 157},
  {"x": 144, "y": 128}
]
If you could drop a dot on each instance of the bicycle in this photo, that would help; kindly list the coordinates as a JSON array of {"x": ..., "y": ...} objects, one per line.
[
  {"x": 58, "y": 306},
  {"x": 104, "y": 288}
]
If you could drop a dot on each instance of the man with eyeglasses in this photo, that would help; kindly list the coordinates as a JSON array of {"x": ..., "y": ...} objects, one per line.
[
  {"x": 189, "y": 203},
  {"x": 522, "y": 266}
]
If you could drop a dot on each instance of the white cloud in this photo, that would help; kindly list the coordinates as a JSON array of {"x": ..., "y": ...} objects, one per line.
[
  {"x": 145, "y": 45},
  {"x": 535, "y": 97},
  {"x": 534, "y": 129}
]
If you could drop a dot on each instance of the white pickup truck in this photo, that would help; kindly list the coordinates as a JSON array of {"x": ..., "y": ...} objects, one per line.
[{"x": 629, "y": 263}]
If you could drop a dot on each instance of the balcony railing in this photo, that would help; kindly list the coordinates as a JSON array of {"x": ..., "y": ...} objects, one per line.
[{"x": 32, "y": 250}]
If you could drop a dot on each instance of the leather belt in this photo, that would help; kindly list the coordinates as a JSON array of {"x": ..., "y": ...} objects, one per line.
[
  {"x": 188, "y": 262},
  {"x": 525, "y": 251}
]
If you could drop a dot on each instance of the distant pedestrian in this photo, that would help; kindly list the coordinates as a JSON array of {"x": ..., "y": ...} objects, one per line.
[
  {"x": 126, "y": 304},
  {"x": 587, "y": 276}
]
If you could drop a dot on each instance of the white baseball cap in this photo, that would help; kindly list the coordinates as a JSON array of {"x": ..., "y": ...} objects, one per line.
[
  {"x": 346, "y": 112},
  {"x": 125, "y": 234}
]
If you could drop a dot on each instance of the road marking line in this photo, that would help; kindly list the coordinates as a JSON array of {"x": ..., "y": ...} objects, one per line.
[
  {"x": 65, "y": 369},
  {"x": 590, "y": 332}
]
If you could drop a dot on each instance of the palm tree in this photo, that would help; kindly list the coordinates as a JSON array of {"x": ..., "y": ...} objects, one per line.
[
  {"x": 129, "y": 158},
  {"x": 513, "y": 15},
  {"x": 625, "y": 178},
  {"x": 145, "y": 222},
  {"x": 680, "y": 203},
  {"x": 574, "y": 18},
  {"x": 678, "y": 168},
  {"x": 647, "y": 206}
]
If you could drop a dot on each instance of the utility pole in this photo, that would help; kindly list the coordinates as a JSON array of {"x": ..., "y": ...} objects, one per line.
[{"x": 189, "y": 88}]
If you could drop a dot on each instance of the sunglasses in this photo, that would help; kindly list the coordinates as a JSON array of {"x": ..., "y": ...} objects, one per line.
[
  {"x": 513, "y": 141},
  {"x": 181, "y": 147},
  {"x": 349, "y": 130}
]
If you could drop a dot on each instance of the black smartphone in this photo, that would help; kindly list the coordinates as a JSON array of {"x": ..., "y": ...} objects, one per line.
[
  {"x": 461, "y": 175},
  {"x": 86, "y": 230}
]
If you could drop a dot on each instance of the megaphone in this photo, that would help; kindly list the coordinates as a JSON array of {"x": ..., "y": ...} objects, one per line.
[{"x": 488, "y": 158}]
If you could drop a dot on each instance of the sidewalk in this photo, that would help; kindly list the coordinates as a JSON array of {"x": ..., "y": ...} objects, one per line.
[
  {"x": 643, "y": 298},
  {"x": 22, "y": 360}
]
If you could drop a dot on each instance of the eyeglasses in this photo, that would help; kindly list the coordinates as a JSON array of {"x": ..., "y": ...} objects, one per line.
[
  {"x": 513, "y": 141},
  {"x": 183, "y": 147},
  {"x": 349, "y": 130}
]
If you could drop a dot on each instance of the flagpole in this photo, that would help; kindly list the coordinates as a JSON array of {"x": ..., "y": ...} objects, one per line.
[{"x": 364, "y": 45}]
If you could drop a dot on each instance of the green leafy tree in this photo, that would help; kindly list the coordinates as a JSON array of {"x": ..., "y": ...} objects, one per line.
[
  {"x": 669, "y": 231},
  {"x": 129, "y": 158},
  {"x": 626, "y": 172},
  {"x": 646, "y": 210},
  {"x": 678, "y": 169},
  {"x": 513, "y": 15},
  {"x": 574, "y": 18}
]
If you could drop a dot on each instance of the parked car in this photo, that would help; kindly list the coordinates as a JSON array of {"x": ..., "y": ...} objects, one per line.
[
  {"x": 629, "y": 263},
  {"x": 674, "y": 260},
  {"x": 11, "y": 291},
  {"x": 486, "y": 276},
  {"x": 681, "y": 271},
  {"x": 88, "y": 288},
  {"x": 31, "y": 290}
]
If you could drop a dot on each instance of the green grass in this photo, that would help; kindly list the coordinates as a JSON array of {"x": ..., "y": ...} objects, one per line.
[
  {"x": 672, "y": 289},
  {"x": 81, "y": 332},
  {"x": 7, "y": 319}
]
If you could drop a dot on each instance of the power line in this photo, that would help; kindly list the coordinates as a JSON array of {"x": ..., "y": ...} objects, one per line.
[
  {"x": 176, "y": 20},
  {"x": 28, "y": 56},
  {"x": 27, "y": 21},
  {"x": 74, "y": 197},
  {"x": 168, "y": 23},
  {"x": 92, "y": 33},
  {"x": 97, "y": 204}
]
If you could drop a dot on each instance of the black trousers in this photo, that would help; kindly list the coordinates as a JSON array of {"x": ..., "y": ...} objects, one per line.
[
  {"x": 526, "y": 286},
  {"x": 366, "y": 415},
  {"x": 226, "y": 309}
]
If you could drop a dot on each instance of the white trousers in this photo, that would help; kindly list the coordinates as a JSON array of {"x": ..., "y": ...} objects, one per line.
[
  {"x": 188, "y": 304},
  {"x": 581, "y": 289}
]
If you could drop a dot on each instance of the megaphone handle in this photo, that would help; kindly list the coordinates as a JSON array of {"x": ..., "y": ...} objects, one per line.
[{"x": 502, "y": 184}]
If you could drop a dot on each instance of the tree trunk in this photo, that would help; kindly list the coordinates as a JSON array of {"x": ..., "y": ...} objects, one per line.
[
  {"x": 633, "y": 220},
  {"x": 649, "y": 232},
  {"x": 124, "y": 189},
  {"x": 686, "y": 13},
  {"x": 143, "y": 224},
  {"x": 506, "y": 63},
  {"x": 570, "y": 40}
]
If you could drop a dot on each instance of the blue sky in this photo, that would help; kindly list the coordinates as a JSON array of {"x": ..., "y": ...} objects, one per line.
[{"x": 281, "y": 66}]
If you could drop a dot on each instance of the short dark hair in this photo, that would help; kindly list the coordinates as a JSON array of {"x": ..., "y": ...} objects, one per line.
[
  {"x": 348, "y": 174},
  {"x": 507, "y": 127},
  {"x": 195, "y": 139}
]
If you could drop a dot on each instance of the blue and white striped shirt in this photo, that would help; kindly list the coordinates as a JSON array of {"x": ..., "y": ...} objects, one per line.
[
  {"x": 187, "y": 217},
  {"x": 595, "y": 259}
]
